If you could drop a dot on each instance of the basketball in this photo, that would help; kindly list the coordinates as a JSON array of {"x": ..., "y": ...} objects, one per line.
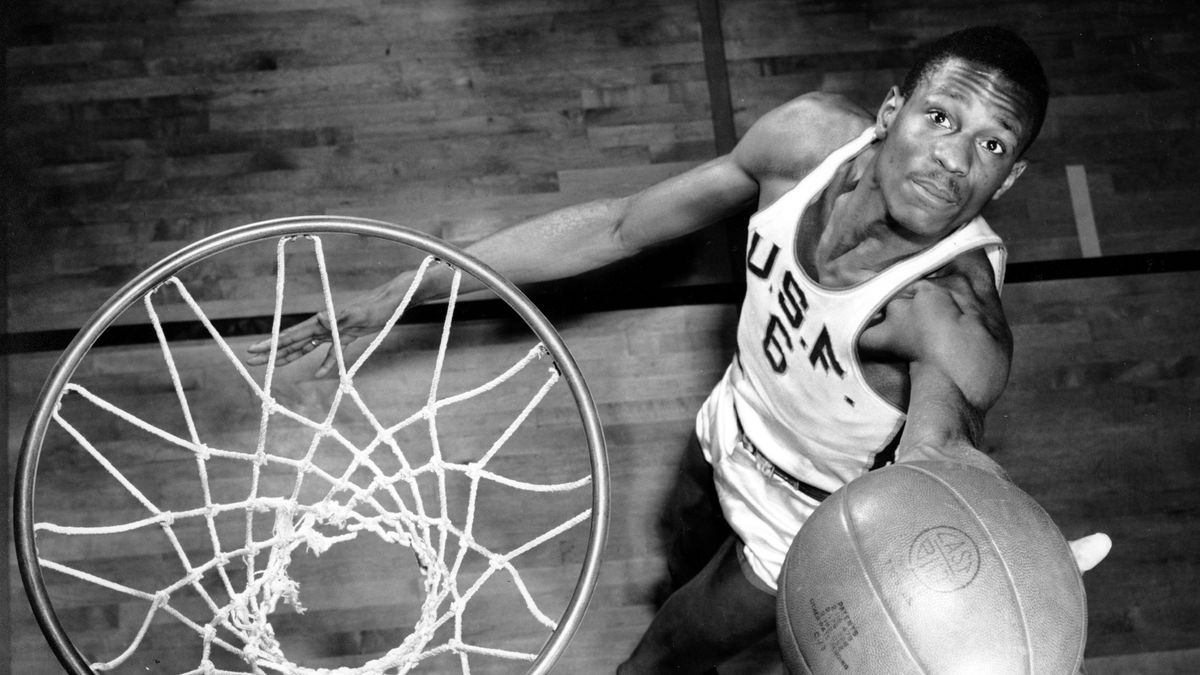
[{"x": 931, "y": 567}]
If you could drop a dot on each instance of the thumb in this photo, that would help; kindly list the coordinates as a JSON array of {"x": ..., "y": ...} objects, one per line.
[{"x": 1090, "y": 550}]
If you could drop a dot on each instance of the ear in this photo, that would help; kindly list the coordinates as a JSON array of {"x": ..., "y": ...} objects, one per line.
[
  {"x": 887, "y": 112},
  {"x": 1013, "y": 174}
]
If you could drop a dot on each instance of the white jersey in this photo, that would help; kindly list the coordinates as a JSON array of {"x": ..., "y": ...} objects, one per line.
[{"x": 796, "y": 389}]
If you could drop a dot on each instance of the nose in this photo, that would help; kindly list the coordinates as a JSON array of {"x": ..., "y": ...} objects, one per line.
[{"x": 953, "y": 154}]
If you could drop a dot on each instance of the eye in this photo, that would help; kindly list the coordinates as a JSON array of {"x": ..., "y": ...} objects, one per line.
[
  {"x": 994, "y": 146},
  {"x": 939, "y": 118}
]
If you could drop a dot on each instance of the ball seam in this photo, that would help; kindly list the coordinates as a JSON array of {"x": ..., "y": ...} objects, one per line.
[
  {"x": 991, "y": 540},
  {"x": 848, "y": 523}
]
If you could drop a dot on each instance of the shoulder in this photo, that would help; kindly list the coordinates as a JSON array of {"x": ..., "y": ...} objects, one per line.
[
  {"x": 794, "y": 137},
  {"x": 953, "y": 321},
  {"x": 978, "y": 294},
  {"x": 969, "y": 336}
]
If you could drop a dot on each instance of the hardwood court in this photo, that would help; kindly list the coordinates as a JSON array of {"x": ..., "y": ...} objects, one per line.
[
  {"x": 1096, "y": 424},
  {"x": 137, "y": 127},
  {"x": 119, "y": 456}
]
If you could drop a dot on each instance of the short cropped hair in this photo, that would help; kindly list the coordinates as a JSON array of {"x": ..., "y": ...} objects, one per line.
[{"x": 993, "y": 48}]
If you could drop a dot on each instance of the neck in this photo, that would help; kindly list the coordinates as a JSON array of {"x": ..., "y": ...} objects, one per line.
[{"x": 860, "y": 237}]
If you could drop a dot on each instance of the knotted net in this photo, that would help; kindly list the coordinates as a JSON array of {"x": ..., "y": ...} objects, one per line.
[{"x": 316, "y": 476}]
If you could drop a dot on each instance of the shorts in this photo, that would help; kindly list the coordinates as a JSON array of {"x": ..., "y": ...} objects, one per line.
[
  {"x": 761, "y": 508},
  {"x": 698, "y": 525},
  {"x": 764, "y": 512}
]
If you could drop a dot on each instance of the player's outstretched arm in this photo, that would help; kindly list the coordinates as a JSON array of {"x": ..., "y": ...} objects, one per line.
[
  {"x": 943, "y": 425},
  {"x": 954, "y": 334},
  {"x": 950, "y": 329},
  {"x": 570, "y": 241},
  {"x": 560, "y": 244}
]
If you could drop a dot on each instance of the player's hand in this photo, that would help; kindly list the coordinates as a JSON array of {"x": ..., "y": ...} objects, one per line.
[
  {"x": 364, "y": 315},
  {"x": 1090, "y": 550}
]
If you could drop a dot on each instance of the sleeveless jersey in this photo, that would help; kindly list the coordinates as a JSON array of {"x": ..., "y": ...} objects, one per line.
[{"x": 796, "y": 388}]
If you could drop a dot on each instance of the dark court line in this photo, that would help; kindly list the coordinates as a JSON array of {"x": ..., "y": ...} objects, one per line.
[
  {"x": 587, "y": 301},
  {"x": 716, "y": 72},
  {"x": 720, "y": 104}
]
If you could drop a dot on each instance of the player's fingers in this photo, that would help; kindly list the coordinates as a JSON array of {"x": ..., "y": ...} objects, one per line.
[
  {"x": 260, "y": 352},
  {"x": 286, "y": 353},
  {"x": 287, "y": 338},
  {"x": 329, "y": 363},
  {"x": 293, "y": 343},
  {"x": 1090, "y": 550}
]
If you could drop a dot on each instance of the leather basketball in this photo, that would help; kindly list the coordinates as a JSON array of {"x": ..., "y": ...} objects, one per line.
[{"x": 931, "y": 567}]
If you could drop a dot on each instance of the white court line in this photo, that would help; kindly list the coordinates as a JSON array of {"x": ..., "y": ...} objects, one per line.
[{"x": 1081, "y": 205}]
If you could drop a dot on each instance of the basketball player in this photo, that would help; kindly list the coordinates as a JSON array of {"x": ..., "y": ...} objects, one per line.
[{"x": 872, "y": 329}]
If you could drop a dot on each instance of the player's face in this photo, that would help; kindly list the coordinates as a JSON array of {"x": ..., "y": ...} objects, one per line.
[{"x": 950, "y": 147}]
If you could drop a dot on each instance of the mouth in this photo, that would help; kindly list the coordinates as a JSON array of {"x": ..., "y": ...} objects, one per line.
[{"x": 936, "y": 192}]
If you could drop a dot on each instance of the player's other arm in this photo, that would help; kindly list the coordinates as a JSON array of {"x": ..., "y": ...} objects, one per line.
[
  {"x": 591, "y": 235},
  {"x": 560, "y": 244}
]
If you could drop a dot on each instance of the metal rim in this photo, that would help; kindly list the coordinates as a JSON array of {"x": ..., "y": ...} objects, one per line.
[{"x": 27, "y": 460}]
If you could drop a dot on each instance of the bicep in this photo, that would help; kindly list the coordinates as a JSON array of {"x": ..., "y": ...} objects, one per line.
[
  {"x": 953, "y": 325},
  {"x": 793, "y": 135}
]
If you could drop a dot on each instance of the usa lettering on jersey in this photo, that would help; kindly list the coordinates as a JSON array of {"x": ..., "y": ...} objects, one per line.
[{"x": 784, "y": 326}]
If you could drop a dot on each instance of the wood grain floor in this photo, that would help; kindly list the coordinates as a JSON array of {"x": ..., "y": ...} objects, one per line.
[
  {"x": 136, "y": 127},
  {"x": 1099, "y": 423}
]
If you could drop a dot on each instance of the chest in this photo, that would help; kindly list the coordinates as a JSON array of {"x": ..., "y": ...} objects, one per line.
[{"x": 833, "y": 263}]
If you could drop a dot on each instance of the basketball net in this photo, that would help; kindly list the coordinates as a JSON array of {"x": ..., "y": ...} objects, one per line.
[{"x": 391, "y": 506}]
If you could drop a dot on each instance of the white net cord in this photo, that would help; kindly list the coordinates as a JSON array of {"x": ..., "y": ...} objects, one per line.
[{"x": 389, "y": 504}]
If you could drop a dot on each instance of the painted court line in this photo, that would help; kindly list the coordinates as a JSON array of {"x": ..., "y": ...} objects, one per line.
[{"x": 1085, "y": 217}]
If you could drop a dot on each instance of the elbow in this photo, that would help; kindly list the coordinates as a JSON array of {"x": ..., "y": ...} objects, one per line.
[
  {"x": 982, "y": 373},
  {"x": 984, "y": 388},
  {"x": 622, "y": 235}
]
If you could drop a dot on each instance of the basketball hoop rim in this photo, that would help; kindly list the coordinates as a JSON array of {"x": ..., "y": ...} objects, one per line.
[{"x": 134, "y": 290}]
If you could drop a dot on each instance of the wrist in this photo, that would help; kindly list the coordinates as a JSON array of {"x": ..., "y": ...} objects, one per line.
[
  {"x": 393, "y": 291},
  {"x": 951, "y": 450}
]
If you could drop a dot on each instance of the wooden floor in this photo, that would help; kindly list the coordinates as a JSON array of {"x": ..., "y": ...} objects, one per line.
[
  {"x": 1099, "y": 423},
  {"x": 135, "y": 127}
]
